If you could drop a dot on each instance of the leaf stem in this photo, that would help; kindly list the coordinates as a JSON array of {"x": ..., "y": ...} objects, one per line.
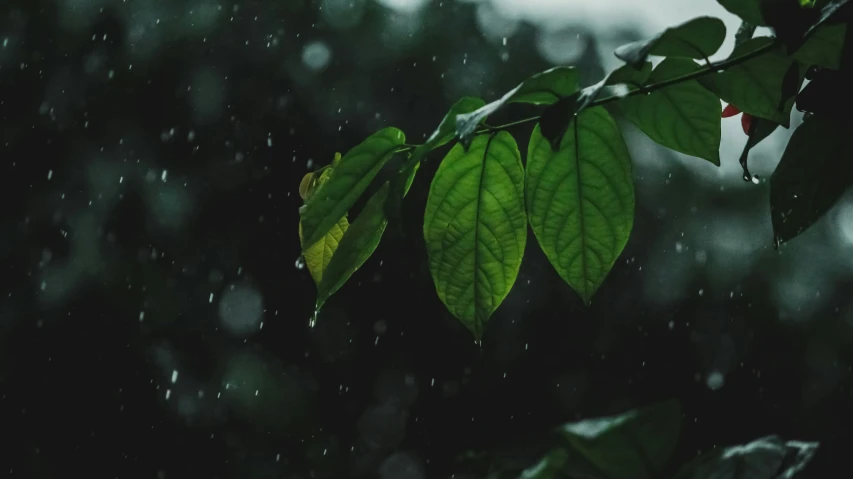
[{"x": 710, "y": 68}]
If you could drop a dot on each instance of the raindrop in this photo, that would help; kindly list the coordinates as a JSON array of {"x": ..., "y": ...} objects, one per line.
[
  {"x": 300, "y": 262},
  {"x": 715, "y": 380}
]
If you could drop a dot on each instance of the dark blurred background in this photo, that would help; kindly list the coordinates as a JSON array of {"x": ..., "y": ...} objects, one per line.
[{"x": 154, "y": 322}]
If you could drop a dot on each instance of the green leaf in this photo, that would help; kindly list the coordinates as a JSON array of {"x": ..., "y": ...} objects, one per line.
[
  {"x": 634, "y": 445},
  {"x": 475, "y": 227},
  {"x": 580, "y": 199},
  {"x": 748, "y": 10},
  {"x": 815, "y": 170},
  {"x": 556, "y": 118},
  {"x": 824, "y": 47},
  {"x": 541, "y": 89},
  {"x": 827, "y": 15},
  {"x": 698, "y": 39},
  {"x": 349, "y": 179},
  {"x": 765, "y": 458},
  {"x": 318, "y": 255},
  {"x": 756, "y": 85},
  {"x": 356, "y": 246},
  {"x": 447, "y": 128},
  {"x": 549, "y": 467},
  {"x": 684, "y": 117}
]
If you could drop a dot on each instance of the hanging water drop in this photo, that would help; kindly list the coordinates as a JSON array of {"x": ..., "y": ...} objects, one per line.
[{"x": 300, "y": 262}]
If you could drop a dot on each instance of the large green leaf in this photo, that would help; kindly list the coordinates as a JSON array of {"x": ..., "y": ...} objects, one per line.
[
  {"x": 580, "y": 199},
  {"x": 824, "y": 47},
  {"x": 756, "y": 86},
  {"x": 748, "y": 10},
  {"x": 684, "y": 116},
  {"x": 556, "y": 118},
  {"x": 475, "y": 227},
  {"x": 698, "y": 38},
  {"x": 350, "y": 178},
  {"x": 541, "y": 89},
  {"x": 355, "y": 247},
  {"x": 634, "y": 445},
  {"x": 765, "y": 458},
  {"x": 815, "y": 170}
]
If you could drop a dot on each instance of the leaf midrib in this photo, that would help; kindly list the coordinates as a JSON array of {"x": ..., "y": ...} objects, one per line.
[
  {"x": 581, "y": 211},
  {"x": 477, "y": 331}
]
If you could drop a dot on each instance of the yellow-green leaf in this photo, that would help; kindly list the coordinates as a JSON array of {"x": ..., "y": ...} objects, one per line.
[
  {"x": 318, "y": 255},
  {"x": 349, "y": 178}
]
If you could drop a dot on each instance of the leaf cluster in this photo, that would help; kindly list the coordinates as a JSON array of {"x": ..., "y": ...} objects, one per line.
[{"x": 572, "y": 185}]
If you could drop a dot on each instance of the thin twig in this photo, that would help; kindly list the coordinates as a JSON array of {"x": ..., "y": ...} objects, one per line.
[{"x": 710, "y": 68}]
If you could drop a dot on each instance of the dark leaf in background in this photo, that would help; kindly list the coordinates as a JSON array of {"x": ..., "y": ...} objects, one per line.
[
  {"x": 765, "y": 458},
  {"x": 815, "y": 170},
  {"x": 635, "y": 445},
  {"x": 684, "y": 117},
  {"x": 698, "y": 39},
  {"x": 755, "y": 86}
]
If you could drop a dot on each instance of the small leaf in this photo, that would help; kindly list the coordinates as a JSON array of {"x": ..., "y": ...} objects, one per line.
[
  {"x": 824, "y": 47},
  {"x": 556, "y": 118},
  {"x": 634, "y": 445},
  {"x": 447, "y": 128},
  {"x": 307, "y": 185},
  {"x": 635, "y": 76},
  {"x": 541, "y": 89},
  {"x": 815, "y": 170},
  {"x": 318, "y": 255},
  {"x": 765, "y": 458},
  {"x": 748, "y": 10},
  {"x": 684, "y": 117},
  {"x": 755, "y": 86},
  {"x": 350, "y": 178},
  {"x": 698, "y": 39},
  {"x": 475, "y": 227},
  {"x": 580, "y": 199},
  {"x": 355, "y": 247}
]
